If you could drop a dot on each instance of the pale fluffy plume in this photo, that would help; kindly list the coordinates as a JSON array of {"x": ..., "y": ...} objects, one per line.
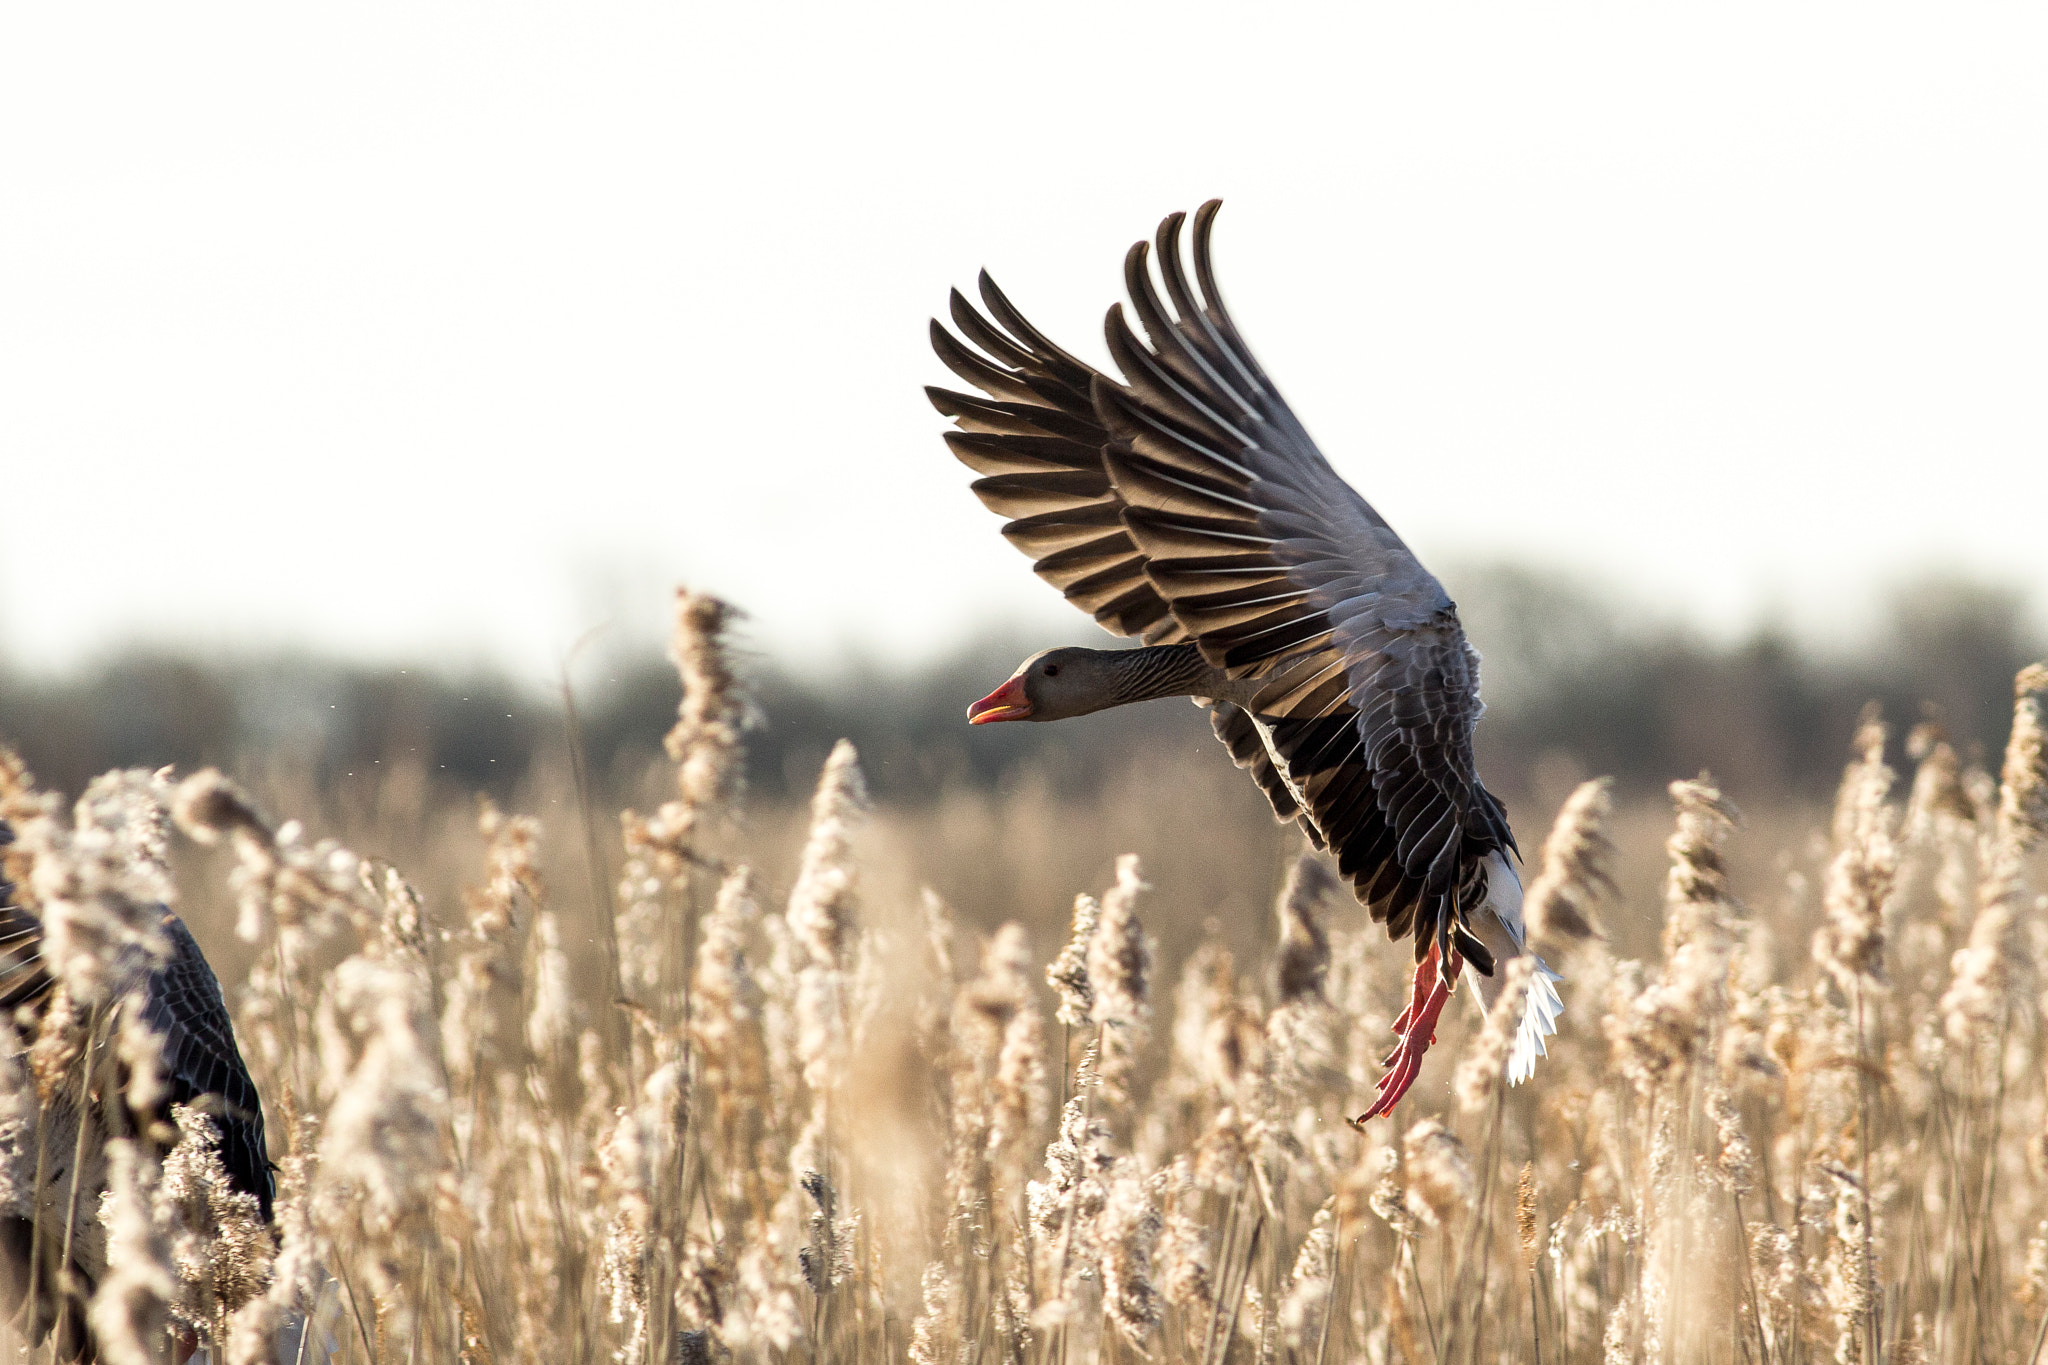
[
  {"x": 1235, "y": 1058},
  {"x": 936, "y": 1332},
  {"x": 1578, "y": 862},
  {"x": 1734, "y": 1158},
  {"x": 1848, "y": 1272},
  {"x": 1119, "y": 973},
  {"x": 1527, "y": 1215},
  {"x": 1021, "y": 1094},
  {"x": 627, "y": 1158},
  {"x": 1696, "y": 888},
  {"x": 554, "y": 1020},
  {"x": 141, "y": 1050},
  {"x": 20, "y": 803},
  {"x": 726, "y": 1007},
  {"x": 821, "y": 905},
  {"x": 940, "y": 937},
  {"x": 1308, "y": 1287},
  {"x": 1207, "y": 986},
  {"x": 18, "y": 1120},
  {"x": 827, "y": 1259},
  {"x": 1663, "y": 1025},
  {"x": 1063, "y": 1207},
  {"x": 1128, "y": 1233},
  {"x": 483, "y": 991},
  {"x": 1303, "y": 961},
  {"x": 382, "y": 1154},
  {"x": 1757, "y": 1007},
  {"x": 253, "y": 1330},
  {"x": 1119, "y": 958},
  {"x": 1976, "y": 996},
  {"x": 665, "y": 849},
  {"x": 1938, "y": 788},
  {"x": 1068, "y": 973},
  {"x": 1015, "y": 1080},
  {"x": 301, "y": 900},
  {"x": 1185, "y": 1254},
  {"x": 1223, "y": 1152},
  {"x": 1389, "y": 1197},
  {"x": 1439, "y": 1171},
  {"x": 1219, "y": 1039},
  {"x": 639, "y": 1161},
  {"x": 2023, "y": 784},
  {"x": 821, "y": 917},
  {"x": 210, "y": 807},
  {"x": 1850, "y": 945},
  {"x": 220, "y": 1247},
  {"x": 982, "y": 1010},
  {"x": 130, "y": 1310},
  {"x": 653, "y": 869},
  {"x": 765, "y": 1311},
  {"x": 101, "y": 885},
  {"x": 705, "y": 741},
  {"x": 1784, "y": 1287},
  {"x": 305, "y": 892}
]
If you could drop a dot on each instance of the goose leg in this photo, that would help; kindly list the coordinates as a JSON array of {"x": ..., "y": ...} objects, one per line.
[{"x": 1417, "y": 1028}]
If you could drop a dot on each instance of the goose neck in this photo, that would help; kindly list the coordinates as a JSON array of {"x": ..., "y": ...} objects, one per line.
[{"x": 1161, "y": 671}]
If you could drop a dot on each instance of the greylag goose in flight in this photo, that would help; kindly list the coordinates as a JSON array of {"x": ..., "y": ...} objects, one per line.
[{"x": 1187, "y": 507}]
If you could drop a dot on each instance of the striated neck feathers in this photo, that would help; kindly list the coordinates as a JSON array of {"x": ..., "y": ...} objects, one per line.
[{"x": 1163, "y": 671}]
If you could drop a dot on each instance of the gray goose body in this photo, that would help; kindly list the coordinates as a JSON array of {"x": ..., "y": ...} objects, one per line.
[{"x": 1184, "y": 505}]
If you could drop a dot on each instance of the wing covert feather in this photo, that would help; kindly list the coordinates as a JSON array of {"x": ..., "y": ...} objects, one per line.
[{"x": 1038, "y": 443}]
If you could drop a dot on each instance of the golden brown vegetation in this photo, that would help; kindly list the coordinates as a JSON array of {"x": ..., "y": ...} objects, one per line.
[{"x": 837, "y": 1124}]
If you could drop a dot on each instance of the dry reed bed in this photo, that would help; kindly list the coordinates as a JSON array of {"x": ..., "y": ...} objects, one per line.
[{"x": 1814, "y": 1129}]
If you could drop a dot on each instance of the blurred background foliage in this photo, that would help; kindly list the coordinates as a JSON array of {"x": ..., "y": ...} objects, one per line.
[
  {"x": 1007, "y": 822},
  {"x": 1575, "y": 684}
]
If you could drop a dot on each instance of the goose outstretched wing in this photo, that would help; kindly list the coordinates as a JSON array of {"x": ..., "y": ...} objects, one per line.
[
  {"x": 1034, "y": 436},
  {"x": 1365, "y": 689},
  {"x": 1037, "y": 442}
]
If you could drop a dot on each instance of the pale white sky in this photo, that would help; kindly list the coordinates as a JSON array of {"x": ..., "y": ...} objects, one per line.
[{"x": 446, "y": 332}]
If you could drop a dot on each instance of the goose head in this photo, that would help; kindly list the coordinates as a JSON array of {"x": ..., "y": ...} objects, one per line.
[{"x": 1052, "y": 685}]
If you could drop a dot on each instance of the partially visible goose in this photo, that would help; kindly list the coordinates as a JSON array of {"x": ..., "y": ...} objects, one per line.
[
  {"x": 1187, "y": 507},
  {"x": 200, "y": 1066}
]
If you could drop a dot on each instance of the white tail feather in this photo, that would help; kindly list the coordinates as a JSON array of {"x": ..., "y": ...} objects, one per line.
[
  {"x": 1540, "y": 1011},
  {"x": 1497, "y": 921}
]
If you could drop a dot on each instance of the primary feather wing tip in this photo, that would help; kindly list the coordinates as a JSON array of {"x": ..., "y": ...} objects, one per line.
[{"x": 1540, "y": 1011}]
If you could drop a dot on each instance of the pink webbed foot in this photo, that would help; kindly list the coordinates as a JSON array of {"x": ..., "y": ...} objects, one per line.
[{"x": 1417, "y": 1028}]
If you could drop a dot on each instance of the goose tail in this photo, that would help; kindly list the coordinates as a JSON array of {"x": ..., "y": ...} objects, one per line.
[{"x": 1540, "y": 1010}]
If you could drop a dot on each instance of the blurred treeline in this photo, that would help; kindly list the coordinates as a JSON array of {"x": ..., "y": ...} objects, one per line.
[{"x": 1574, "y": 684}]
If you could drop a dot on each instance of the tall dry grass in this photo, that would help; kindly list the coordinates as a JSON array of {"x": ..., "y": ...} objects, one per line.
[{"x": 717, "y": 1122}]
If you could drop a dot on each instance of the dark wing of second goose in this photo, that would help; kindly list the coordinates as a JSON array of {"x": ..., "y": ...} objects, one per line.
[
  {"x": 202, "y": 1065},
  {"x": 1280, "y": 573},
  {"x": 182, "y": 1002}
]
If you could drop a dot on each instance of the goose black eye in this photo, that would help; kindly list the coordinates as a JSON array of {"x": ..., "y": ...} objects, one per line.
[{"x": 1052, "y": 670}]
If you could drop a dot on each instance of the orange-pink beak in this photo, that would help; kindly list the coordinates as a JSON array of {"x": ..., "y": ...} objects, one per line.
[{"x": 1007, "y": 702}]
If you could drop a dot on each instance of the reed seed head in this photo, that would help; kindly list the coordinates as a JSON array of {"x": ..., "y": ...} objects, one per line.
[
  {"x": 1850, "y": 946},
  {"x": 1578, "y": 861},
  {"x": 1119, "y": 957},
  {"x": 1439, "y": 1170},
  {"x": 1068, "y": 974},
  {"x": 1303, "y": 961}
]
